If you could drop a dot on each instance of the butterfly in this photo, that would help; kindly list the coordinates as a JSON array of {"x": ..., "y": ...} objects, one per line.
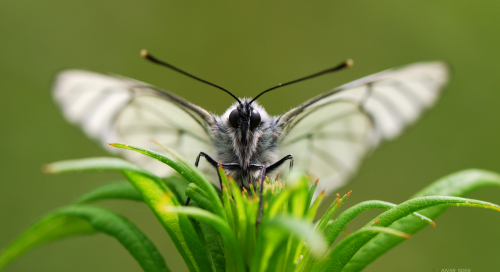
[{"x": 326, "y": 136}]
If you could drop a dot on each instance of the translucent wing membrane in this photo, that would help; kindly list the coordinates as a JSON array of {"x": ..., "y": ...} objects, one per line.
[
  {"x": 117, "y": 109},
  {"x": 329, "y": 134}
]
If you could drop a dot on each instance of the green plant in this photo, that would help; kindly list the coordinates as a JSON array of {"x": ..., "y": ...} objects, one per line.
[{"x": 220, "y": 231}]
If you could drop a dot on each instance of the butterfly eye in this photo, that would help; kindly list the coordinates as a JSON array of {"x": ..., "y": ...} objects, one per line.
[
  {"x": 254, "y": 119},
  {"x": 233, "y": 118}
]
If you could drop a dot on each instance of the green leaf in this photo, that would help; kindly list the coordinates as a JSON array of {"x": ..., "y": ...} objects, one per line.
[
  {"x": 334, "y": 207},
  {"x": 77, "y": 220},
  {"x": 311, "y": 192},
  {"x": 311, "y": 212},
  {"x": 251, "y": 241},
  {"x": 215, "y": 247},
  {"x": 277, "y": 204},
  {"x": 400, "y": 211},
  {"x": 153, "y": 191},
  {"x": 98, "y": 164},
  {"x": 234, "y": 257},
  {"x": 335, "y": 259},
  {"x": 90, "y": 164},
  {"x": 186, "y": 169},
  {"x": 227, "y": 200},
  {"x": 274, "y": 232},
  {"x": 179, "y": 227},
  {"x": 194, "y": 192},
  {"x": 241, "y": 217},
  {"x": 277, "y": 259},
  {"x": 457, "y": 184},
  {"x": 339, "y": 224},
  {"x": 177, "y": 185},
  {"x": 298, "y": 203},
  {"x": 119, "y": 190}
]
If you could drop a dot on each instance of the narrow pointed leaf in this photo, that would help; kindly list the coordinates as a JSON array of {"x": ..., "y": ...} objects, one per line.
[
  {"x": 177, "y": 185},
  {"x": 334, "y": 207},
  {"x": 311, "y": 212},
  {"x": 404, "y": 209},
  {"x": 335, "y": 258},
  {"x": 188, "y": 171},
  {"x": 119, "y": 190},
  {"x": 312, "y": 190},
  {"x": 98, "y": 164},
  {"x": 228, "y": 201},
  {"x": 234, "y": 257},
  {"x": 339, "y": 224},
  {"x": 273, "y": 233},
  {"x": 277, "y": 204},
  {"x": 457, "y": 184},
  {"x": 77, "y": 220},
  {"x": 179, "y": 227},
  {"x": 215, "y": 247},
  {"x": 197, "y": 194},
  {"x": 153, "y": 190},
  {"x": 241, "y": 216}
]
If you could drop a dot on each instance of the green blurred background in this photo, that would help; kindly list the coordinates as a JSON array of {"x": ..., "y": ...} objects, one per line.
[{"x": 247, "y": 47}]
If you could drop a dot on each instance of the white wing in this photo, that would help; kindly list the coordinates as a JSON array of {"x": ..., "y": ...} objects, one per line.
[
  {"x": 117, "y": 109},
  {"x": 329, "y": 134}
]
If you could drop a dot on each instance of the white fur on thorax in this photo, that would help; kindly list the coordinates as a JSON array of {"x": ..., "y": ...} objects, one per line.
[{"x": 262, "y": 147}]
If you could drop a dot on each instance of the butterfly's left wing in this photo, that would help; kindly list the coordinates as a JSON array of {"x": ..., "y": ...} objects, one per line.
[
  {"x": 330, "y": 133},
  {"x": 118, "y": 109}
]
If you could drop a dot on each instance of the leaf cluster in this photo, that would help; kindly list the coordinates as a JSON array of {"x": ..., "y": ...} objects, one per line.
[{"x": 220, "y": 231}]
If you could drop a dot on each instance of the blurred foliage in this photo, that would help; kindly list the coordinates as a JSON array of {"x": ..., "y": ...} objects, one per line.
[
  {"x": 247, "y": 47},
  {"x": 266, "y": 228}
]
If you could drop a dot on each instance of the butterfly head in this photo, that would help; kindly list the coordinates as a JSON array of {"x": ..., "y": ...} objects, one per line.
[
  {"x": 246, "y": 134},
  {"x": 245, "y": 118}
]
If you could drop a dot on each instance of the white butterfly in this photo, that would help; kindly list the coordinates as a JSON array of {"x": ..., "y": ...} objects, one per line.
[{"x": 327, "y": 135}]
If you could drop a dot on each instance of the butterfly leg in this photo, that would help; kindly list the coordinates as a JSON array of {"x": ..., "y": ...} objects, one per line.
[
  {"x": 214, "y": 163},
  {"x": 280, "y": 162},
  {"x": 210, "y": 160}
]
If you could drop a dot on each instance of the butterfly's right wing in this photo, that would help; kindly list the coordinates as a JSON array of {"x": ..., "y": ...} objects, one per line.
[
  {"x": 117, "y": 109},
  {"x": 329, "y": 134}
]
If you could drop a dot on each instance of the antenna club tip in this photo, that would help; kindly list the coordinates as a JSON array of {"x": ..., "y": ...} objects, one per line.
[
  {"x": 144, "y": 53},
  {"x": 349, "y": 63}
]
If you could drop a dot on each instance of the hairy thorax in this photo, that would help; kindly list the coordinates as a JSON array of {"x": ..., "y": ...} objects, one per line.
[{"x": 259, "y": 148}]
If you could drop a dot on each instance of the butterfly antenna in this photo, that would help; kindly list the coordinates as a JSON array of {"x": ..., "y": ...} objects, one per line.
[
  {"x": 346, "y": 64},
  {"x": 145, "y": 54}
]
